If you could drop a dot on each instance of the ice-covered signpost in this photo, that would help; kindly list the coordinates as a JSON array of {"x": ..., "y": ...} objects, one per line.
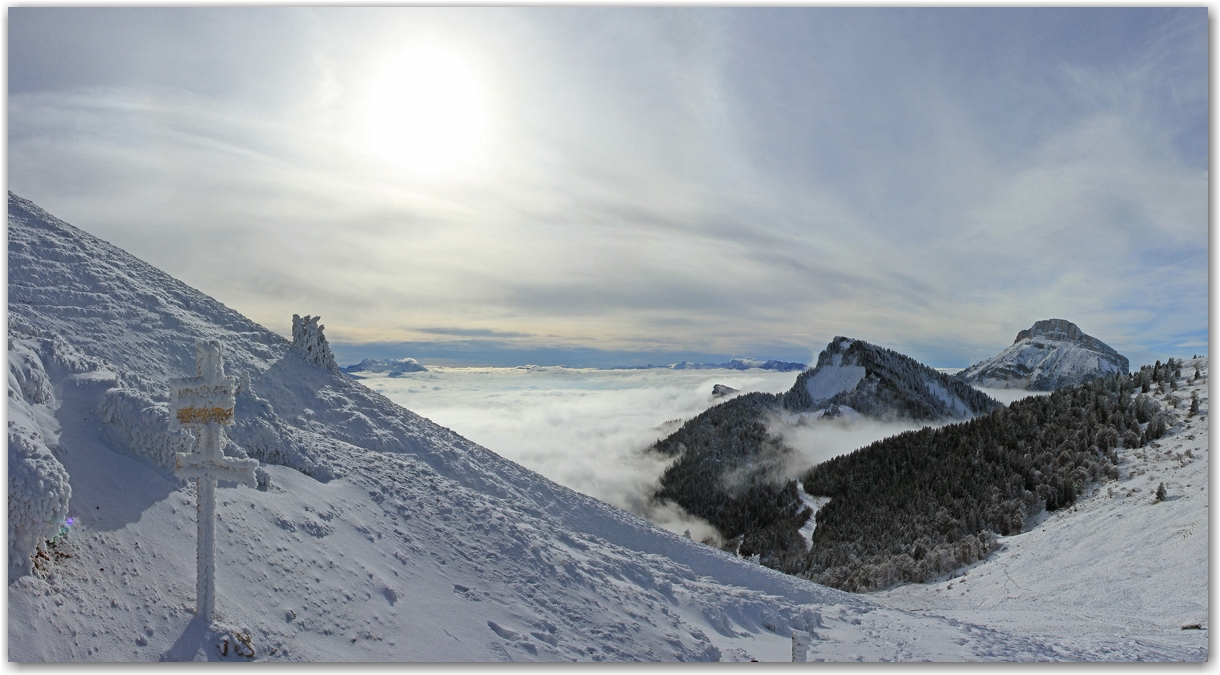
[
  {"x": 204, "y": 403},
  {"x": 800, "y": 645}
]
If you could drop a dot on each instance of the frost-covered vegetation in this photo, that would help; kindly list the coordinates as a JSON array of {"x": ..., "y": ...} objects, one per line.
[
  {"x": 913, "y": 506},
  {"x": 38, "y": 487},
  {"x": 920, "y": 504},
  {"x": 727, "y": 472}
]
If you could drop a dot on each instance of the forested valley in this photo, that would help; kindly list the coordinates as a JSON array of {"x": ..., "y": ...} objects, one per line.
[{"x": 917, "y": 505}]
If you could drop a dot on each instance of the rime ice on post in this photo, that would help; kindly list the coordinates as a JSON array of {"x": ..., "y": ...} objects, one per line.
[{"x": 203, "y": 403}]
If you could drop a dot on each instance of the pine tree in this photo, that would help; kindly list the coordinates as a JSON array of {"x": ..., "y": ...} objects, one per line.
[
  {"x": 1161, "y": 493},
  {"x": 1194, "y": 403}
]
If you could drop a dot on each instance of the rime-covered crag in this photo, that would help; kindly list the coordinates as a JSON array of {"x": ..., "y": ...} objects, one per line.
[
  {"x": 727, "y": 460},
  {"x": 1050, "y": 354}
]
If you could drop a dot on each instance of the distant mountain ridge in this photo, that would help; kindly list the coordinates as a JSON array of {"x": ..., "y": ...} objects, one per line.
[
  {"x": 733, "y": 364},
  {"x": 1050, "y": 354},
  {"x": 743, "y": 364},
  {"x": 391, "y": 366}
]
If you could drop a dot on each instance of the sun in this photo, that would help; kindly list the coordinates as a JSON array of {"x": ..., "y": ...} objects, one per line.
[{"x": 425, "y": 112}]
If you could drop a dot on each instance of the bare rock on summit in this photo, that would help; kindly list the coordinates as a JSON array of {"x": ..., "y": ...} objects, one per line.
[
  {"x": 720, "y": 390},
  {"x": 1050, "y": 354}
]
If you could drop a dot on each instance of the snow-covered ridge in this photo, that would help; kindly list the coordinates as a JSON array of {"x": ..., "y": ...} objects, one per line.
[
  {"x": 882, "y": 383},
  {"x": 1050, "y": 354}
]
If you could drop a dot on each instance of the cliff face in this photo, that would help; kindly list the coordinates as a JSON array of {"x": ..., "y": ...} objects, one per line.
[{"x": 1050, "y": 354}]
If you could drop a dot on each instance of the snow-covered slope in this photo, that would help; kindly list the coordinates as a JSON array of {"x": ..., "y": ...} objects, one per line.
[
  {"x": 1050, "y": 354},
  {"x": 1118, "y": 574},
  {"x": 882, "y": 383},
  {"x": 375, "y": 534}
]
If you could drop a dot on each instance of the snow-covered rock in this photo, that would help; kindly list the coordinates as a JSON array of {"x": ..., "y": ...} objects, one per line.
[
  {"x": 881, "y": 383},
  {"x": 308, "y": 338},
  {"x": 38, "y": 485},
  {"x": 721, "y": 390},
  {"x": 1050, "y": 354}
]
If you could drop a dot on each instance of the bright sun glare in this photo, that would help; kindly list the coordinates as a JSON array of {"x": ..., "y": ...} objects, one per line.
[{"x": 425, "y": 113}]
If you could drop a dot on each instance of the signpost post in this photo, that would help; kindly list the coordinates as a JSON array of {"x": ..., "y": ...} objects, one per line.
[{"x": 203, "y": 403}]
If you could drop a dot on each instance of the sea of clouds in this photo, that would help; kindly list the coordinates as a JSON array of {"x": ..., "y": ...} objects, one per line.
[
  {"x": 585, "y": 429},
  {"x": 589, "y": 429}
]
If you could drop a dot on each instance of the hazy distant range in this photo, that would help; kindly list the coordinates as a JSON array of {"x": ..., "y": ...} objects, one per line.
[{"x": 496, "y": 352}]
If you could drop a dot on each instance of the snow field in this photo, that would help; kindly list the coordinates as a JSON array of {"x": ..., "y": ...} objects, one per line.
[
  {"x": 1117, "y": 576},
  {"x": 833, "y": 379}
]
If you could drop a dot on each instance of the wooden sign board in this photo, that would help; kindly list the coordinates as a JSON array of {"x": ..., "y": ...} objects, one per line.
[{"x": 194, "y": 401}]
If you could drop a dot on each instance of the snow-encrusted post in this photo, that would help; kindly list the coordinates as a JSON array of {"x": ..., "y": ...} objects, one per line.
[
  {"x": 204, "y": 403},
  {"x": 800, "y": 646}
]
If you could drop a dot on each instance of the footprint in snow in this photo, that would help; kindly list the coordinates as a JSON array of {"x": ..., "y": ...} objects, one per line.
[{"x": 503, "y": 632}]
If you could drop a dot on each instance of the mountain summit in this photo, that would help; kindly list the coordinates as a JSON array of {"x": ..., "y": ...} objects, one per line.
[
  {"x": 1050, "y": 354},
  {"x": 880, "y": 382}
]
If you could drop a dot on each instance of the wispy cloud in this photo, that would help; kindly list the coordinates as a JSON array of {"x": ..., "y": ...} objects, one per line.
[{"x": 670, "y": 179}]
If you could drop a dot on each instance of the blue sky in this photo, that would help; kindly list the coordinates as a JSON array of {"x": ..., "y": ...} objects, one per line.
[{"x": 651, "y": 184}]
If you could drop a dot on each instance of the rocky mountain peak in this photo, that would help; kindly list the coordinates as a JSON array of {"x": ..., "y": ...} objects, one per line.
[
  {"x": 1050, "y": 354},
  {"x": 1063, "y": 330}
]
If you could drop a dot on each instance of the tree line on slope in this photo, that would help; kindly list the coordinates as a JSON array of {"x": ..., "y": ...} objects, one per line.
[
  {"x": 920, "y": 504},
  {"x": 917, "y": 505},
  {"x": 726, "y": 472}
]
